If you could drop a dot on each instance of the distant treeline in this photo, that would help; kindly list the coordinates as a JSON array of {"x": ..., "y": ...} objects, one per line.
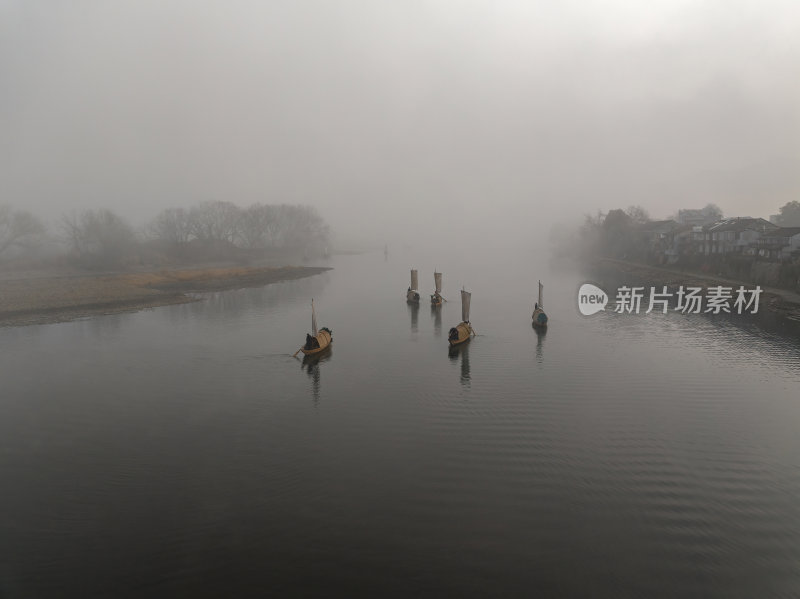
[
  {"x": 630, "y": 233},
  {"x": 601, "y": 234},
  {"x": 215, "y": 230},
  {"x": 744, "y": 248}
]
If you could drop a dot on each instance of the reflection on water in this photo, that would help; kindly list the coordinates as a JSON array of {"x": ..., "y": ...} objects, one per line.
[
  {"x": 436, "y": 312},
  {"x": 262, "y": 301},
  {"x": 540, "y": 335},
  {"x": 461, "y": 351},
  {"x": 413, "y": 308},
  {"x": 180, "y": 450},
  {"x": 311, "y": 364}
]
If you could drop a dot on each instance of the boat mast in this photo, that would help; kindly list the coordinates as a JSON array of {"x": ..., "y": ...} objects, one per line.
[
  {"x": 540, "y": 296},
  {"x": 465, "y": 298},
  {"x": 313, "y": 318}
]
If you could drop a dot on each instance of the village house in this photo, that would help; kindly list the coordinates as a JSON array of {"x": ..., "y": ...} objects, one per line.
[
  {"x": 780, "y": 244},
  {"x": 695, "y": 244},
  {"x": 665, "y": 240},
  {"x": 735, "y": 236}
]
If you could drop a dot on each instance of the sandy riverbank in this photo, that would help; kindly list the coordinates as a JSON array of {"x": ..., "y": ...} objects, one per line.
[
  {"x": 780, "y": 301},
  {"x": 37, "y": 299}
]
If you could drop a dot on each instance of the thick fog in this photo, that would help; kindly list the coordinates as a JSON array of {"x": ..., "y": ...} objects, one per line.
[{"x": 403, "y": 119}]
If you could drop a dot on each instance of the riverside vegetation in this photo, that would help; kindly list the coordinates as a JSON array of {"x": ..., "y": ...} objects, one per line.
[
  {"x": 95, "y": 262},
  {"x": 630, "y": 243}
]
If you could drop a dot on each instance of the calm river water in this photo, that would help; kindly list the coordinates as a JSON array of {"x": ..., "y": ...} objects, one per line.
[{"x": 181, "y": 451}]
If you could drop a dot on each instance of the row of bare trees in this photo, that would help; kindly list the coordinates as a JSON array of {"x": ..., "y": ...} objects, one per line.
[
  {"x": 259, "y": 226},
  {"x": 19, "y": 230},
  {"x": 100, "y": 238}
]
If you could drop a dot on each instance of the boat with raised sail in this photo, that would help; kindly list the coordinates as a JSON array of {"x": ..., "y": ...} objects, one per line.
[
  {"x": 320, "y": 340},
  {"x": 463, "y": 331},
  {"x": 538, "y": 316},
  {"x": 412, "y": 295},
  {"x": 436, "y": 296}
]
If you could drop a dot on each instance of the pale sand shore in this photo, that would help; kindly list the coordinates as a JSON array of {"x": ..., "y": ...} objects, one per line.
[{"x": 36, "y": 299}]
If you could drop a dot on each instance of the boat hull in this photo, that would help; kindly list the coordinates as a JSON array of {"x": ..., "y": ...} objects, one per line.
[
  {"x": 459, "y": 334},
  {"x": 312, "y": 359},
  {"x": 412, "y": 297},
  {"x": 539, "y": 318},
  {"x": 324, "y": 339}
]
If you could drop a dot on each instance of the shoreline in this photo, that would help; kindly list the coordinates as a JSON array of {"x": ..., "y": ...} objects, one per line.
[
  {"x": 782, "y": 302},
  {"x": 36, "y": 300}
]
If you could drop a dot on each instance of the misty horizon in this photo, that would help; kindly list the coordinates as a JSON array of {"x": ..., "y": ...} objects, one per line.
[
  {"x": 423, "y": 118},
  {"x": 313, "y": 298}
]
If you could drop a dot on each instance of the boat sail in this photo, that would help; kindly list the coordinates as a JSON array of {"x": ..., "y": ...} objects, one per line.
[
  {"x": 313, "y": 318},
  {"x": 412, "y": 295},
  {"x": 436, "y": 297},
  {"x": 463, "y": 331},
  {"x": 320, "y": 340},
  {"x": 538, "y": 316}
]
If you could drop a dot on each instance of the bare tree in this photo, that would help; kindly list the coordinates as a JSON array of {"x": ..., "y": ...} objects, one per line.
[
  {"x": 171, "y": 226},
  {"x": 789, "y": 214},
  {"x": 273, "y": 225},
  {"x": 215, "y": 221},
  {"x": 255, "y": 225},
  {"x": 99, "y": 238},
  {"x": 284, "y": 226},
  {"x": 18, "y": 229},
  {"x": 302, "y": 227},
  {"x": 219, "y": 226},
  {"x": 617, "y": 233},
  {"x": 638, "y": 215}
]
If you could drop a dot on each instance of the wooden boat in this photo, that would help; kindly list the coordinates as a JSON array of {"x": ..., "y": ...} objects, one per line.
[
  {"x": 320, "y": 356},
  {"x": 412, "y": 295},
  {"x": 436, "y": 297},
  {"x": 463, "y": 331},
  {"x": 320, "y": 340},
  {"x": 538, "y": 316}
]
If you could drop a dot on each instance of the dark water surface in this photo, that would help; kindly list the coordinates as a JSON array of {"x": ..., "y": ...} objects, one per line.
[{"x": 182, "y": 452}]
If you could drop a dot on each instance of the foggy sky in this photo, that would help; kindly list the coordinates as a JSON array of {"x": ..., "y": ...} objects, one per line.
[{"x": 415, "y": 116}]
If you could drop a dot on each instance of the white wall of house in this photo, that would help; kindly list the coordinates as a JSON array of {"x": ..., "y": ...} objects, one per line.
[{"x": 748, "y": 237}]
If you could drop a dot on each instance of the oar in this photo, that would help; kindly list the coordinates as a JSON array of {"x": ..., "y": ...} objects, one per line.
[{"x": 297, "y": 352}]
